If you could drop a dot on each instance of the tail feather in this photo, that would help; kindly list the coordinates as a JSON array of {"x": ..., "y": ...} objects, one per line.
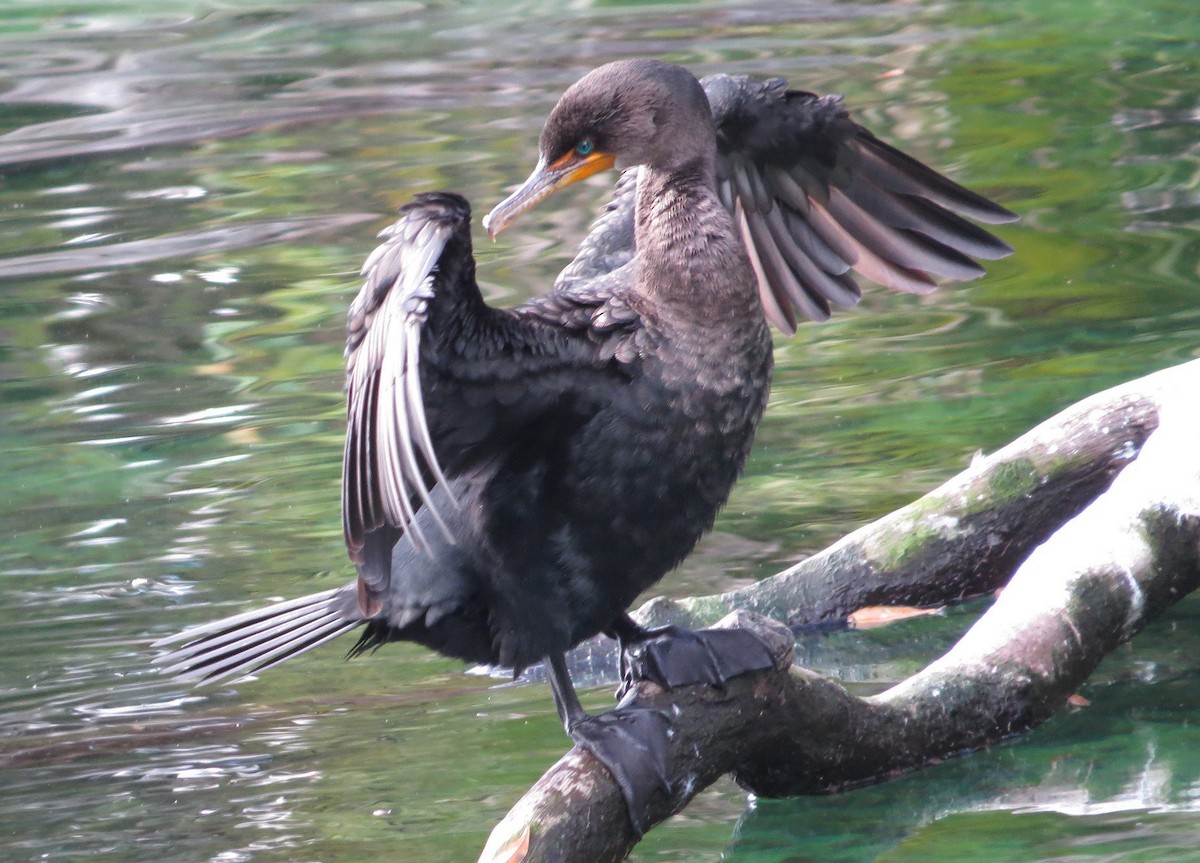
[
  {"x": 233, "y": 636},
  {"x": 255, "y": 640}
]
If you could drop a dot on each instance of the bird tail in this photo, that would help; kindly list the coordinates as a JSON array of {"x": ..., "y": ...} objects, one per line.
[{"x": 245, "y": 643}]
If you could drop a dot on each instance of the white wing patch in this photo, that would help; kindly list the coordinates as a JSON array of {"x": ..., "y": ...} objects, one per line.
[{"x": 392, "y": 445}]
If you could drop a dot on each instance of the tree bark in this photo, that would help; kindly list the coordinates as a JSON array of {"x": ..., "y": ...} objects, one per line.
[{"x": 1102, "y": 505}]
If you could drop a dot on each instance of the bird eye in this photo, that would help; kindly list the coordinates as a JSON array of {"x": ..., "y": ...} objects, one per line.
[{"x": 584, "y": 147}]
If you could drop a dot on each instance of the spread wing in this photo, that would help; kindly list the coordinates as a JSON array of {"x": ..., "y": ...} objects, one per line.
[
  {"x": 389, "y": 464},
  {"x": 815, "y": 196},
  {"x": 439, "y": 382}
]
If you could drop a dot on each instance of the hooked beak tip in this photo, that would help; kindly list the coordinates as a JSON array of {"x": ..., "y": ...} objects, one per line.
[{"x": 493, "y": 226}]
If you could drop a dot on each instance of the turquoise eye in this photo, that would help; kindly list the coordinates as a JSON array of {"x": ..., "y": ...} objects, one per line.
[{"x": 584, "y": 147}]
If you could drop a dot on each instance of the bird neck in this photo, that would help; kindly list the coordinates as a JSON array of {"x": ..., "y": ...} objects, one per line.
[{"x": 688, "y": 250}]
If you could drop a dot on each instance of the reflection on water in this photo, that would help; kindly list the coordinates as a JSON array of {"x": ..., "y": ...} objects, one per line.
[{"x": 186, "y": 199}]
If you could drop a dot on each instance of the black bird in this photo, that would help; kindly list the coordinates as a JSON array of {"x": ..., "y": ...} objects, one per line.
[{"x": 514, "y": 478}]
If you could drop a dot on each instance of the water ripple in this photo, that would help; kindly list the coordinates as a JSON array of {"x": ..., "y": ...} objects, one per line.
[{"x": 184, "y": 244}]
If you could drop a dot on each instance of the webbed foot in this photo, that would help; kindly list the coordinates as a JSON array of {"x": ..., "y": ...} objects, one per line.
[
  {"x": 672, "y": 656},
  {"x": 632, "y": 744}
]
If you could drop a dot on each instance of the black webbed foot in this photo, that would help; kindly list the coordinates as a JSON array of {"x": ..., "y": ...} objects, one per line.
[
  {"x": 632, "y": 744},
  {"x": 672, "y": 656}
]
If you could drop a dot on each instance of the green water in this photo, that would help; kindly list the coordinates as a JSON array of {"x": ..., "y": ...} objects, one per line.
[{"x": 186, "y": 193}]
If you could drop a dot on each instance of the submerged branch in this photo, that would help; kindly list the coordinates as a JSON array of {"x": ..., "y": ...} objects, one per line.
[{"x": 1108, "y": 555}]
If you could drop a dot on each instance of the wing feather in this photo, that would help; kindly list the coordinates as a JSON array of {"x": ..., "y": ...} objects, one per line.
[
  {"x": 815, "y": 195},
  {"x": 911, "y": 250},
  {"x": 779, "y": 314},
  {"x": 389, "y": 464},
  {"x": 802, "y": 249},
  {"x": 891, "y": 168},
  {"x": 862, "y": 259}
]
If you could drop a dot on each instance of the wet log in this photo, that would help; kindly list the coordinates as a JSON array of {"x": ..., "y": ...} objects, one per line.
[{"x": 1125, "y": 468}]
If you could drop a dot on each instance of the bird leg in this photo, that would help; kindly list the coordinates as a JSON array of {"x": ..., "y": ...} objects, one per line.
[
  {"x": 672, "y": 656},
  {"x": 630, "y": 741}
]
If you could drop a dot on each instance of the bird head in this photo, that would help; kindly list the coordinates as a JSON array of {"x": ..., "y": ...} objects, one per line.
[{"x": 632, "y": 112}]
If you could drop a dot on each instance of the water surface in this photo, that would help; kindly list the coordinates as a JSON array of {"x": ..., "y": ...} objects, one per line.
[{"x": 188, "y": 191}]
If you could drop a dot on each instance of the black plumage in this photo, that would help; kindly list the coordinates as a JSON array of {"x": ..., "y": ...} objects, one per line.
[{"x": 514, "y": 478}]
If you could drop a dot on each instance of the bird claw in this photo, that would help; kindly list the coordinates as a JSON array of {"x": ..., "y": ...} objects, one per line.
[
  {"x": 632, "y": 744},
  {"x": 673, "y": 656}
]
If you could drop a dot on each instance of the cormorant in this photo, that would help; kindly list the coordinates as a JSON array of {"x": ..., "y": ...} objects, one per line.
[{"x": 514, "y": 478}]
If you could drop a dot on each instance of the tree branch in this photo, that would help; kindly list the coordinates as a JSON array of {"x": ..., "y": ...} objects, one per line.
[{"x": 1107, "y": 556}]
